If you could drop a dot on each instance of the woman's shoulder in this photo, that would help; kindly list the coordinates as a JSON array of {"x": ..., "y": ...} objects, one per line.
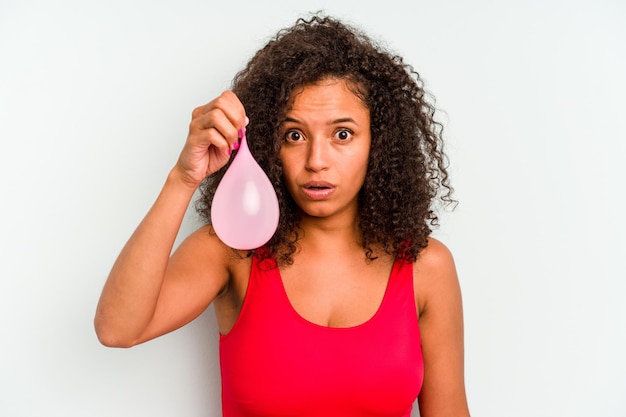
[
  {"x": 434, "y": 273},
  {"x": 434, "y": 256},
  {"x": 203, "y": 246}
]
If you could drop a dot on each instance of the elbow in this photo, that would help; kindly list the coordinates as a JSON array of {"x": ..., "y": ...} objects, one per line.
[
  {"x": 112, "y": 342},
  {"x": 111, "y": 337}
]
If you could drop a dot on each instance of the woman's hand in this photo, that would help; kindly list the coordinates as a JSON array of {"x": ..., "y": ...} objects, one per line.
[{"x": 213, "y": 134}]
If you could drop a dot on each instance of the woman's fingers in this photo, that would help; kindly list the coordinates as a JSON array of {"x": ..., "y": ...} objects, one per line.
[
  {"x": 213, "y": 134},
  {"x": 222, "y": 118}
]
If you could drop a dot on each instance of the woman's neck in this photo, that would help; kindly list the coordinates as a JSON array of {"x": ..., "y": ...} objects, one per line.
[{"x": 330, "y": 234}]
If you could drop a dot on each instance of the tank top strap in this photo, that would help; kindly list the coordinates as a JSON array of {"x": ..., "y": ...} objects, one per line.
[
  {"x": 400, "y": 286},
  {"x": 264, "y": 270}
]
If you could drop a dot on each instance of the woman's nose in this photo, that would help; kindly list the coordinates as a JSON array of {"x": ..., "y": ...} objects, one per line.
[{"x": 318, "y": 155}]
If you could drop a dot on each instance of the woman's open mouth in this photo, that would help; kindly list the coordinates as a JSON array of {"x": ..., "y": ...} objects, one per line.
[{"x": 318, "y": 190}]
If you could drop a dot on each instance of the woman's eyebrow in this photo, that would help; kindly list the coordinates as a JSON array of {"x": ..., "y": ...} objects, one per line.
[
  {"x": 343, "y": 120},
  {"x": 333, "y": 122},
  {"x": 291, "y": 120}
]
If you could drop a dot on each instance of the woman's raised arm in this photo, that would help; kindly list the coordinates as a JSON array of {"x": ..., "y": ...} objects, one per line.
[{"x": 148, "y": 293}]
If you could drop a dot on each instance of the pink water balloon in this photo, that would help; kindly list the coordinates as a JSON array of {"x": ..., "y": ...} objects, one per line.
[{"x": 244, "y": 211}]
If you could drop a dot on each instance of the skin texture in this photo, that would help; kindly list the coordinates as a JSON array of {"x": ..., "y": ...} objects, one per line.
[{"x": 325, "y": 155}]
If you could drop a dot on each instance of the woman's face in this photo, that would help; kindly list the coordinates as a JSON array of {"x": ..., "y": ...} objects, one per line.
[{"x": 325, "y": 148}]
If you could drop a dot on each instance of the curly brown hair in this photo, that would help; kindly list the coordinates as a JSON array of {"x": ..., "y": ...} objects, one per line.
[{"x": 406, "y": 173}]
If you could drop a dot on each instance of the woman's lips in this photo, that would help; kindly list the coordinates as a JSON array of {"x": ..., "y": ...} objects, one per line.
[{"x": 318, "y": 190}]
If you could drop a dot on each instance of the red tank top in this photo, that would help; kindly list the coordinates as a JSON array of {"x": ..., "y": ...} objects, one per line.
[{"x": 276, "y": 363}]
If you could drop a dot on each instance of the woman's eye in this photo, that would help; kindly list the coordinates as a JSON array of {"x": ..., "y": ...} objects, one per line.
[
  {"x": 343, "y": 134},
  {"x": 293, "y": 136}
]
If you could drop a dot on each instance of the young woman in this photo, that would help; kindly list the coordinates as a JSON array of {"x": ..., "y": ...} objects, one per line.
[{"x": 351, "y": 309}]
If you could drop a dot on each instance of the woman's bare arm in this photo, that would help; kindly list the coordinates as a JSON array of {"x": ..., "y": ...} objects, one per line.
[
  {"x": 147, "y": 293},
  {"x": 441, "y": 326}
]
